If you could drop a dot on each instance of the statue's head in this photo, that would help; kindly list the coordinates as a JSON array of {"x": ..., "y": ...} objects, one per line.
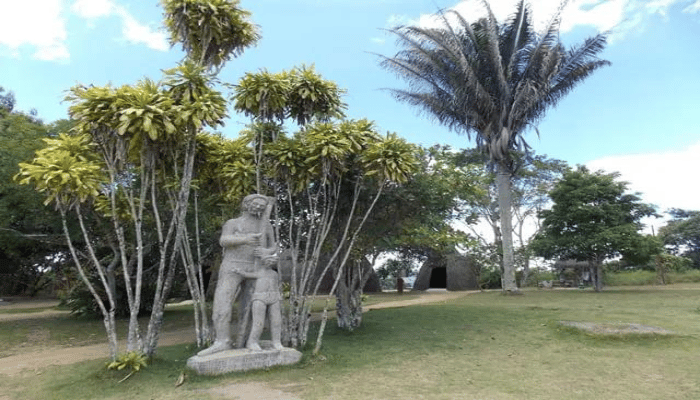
[{"x": 255, "y": 204}]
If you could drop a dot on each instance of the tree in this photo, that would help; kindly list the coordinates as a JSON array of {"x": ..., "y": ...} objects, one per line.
[
  {"x": 492, "y": 80},
  {"x": 415, "y": 218},
  {"x": 592, "y": 219},
  {"x": 29, "y": 233},
  {"x": 530, "y": 195},
  {"x": 7, "y": 101},
  {"x": 134, "y": 149},
  {"x": 210, "y": 31},
  {"x": 682, "y": 234},
  {"x": 321, "y": 175}
]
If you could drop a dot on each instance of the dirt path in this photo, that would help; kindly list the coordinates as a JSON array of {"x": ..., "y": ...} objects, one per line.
[
  {"x": 430, "y": 296},
  {"x": 37, "y": 360}
]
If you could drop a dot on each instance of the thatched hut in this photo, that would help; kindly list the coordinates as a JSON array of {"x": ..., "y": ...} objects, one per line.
[{"x": 451, "y": 272}]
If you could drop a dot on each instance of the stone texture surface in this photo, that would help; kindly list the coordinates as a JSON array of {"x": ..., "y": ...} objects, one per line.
[{"x": 243, "y": 360}]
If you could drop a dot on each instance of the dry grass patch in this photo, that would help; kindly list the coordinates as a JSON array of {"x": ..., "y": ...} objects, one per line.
[{"x": 616, "y": 328}]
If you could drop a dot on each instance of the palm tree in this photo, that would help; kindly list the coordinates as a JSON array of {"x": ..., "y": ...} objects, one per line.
[{"x": 491, "y": 80}]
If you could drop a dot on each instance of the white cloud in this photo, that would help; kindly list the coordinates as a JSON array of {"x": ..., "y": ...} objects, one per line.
[
  {"x": 133, "y": 31},
  {"x": 621, "y": 16},
  {"x": 38, "y": 24},
  {"x": 693, "y": 8},
  {"x": 53, "y": 52},
  {"x": 664, "y": 178},
  {"x": 658, "y": 6},
  {"x": 395, "y": 20},
  {"x": 91, "y": 9}
]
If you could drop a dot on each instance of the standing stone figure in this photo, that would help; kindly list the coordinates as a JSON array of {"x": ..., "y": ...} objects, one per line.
[
  {"x": 249, "y": 246},
  {"x": 266, "y": 301}
]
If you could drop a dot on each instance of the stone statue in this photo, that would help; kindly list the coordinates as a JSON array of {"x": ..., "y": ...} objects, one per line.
[
  {"x": 265, "y": 301},
  {"x": 250, "y": 252}
]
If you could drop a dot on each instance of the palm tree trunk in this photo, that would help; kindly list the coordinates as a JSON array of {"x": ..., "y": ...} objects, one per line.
[{"x": 504, "y": 204}]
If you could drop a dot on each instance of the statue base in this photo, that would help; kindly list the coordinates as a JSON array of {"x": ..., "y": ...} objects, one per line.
[{"x": 243, "y": 359}]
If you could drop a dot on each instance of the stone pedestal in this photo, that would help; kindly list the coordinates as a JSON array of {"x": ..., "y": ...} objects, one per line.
[{"x": 243, "y": 360}]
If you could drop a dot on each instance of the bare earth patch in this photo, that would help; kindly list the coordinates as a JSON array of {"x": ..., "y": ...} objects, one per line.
[
  {"x": 616, "y": 328},
  {"x": 248, "y": 391}
]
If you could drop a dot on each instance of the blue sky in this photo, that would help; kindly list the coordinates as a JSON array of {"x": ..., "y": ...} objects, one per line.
[{"x": 638, "y": 116}]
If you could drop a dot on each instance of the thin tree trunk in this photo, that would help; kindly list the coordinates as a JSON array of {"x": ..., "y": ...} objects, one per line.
[
  {"x": 504, "y": 204},
  {"x": 108, "y": 316},
  {"x": 344, "y": 261},
  {"x": 177, "y": 226},
  {"x": 598, "y": 276}
]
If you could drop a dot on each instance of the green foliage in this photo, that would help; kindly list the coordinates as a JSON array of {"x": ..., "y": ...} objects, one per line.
[
  {"x": 210, "y": 31},
  {"x": 392, "y": 269},
  {"x": 489, "y": 78},
  {"x": 225, "y": 168},
  {"x": 643, "y": 251},
  {"x": 132, "y": 361},
  {"x": 630, "y": 278},
  {"x": 300, "y": 94},
  {"x": 592, "y": 218},
  {"x": 313, "y": 98},
  {"x": 66, "y": 170},
  {"x": 414, "y": 218},
  {"x": 681, "y": 235},
  {"x": 494, "y": 80},
  {"x": 197, "y": 103},
  {"x": 82, "y": 304},
  {"x": 7, "y": 101},
  {"x": 29, "y": 232},
  {"x": 263, "y": 95},
  {"x": 674, "y": 263},
  {"x": 666, "y": 263},
  {"x": 391, "y": 159}
]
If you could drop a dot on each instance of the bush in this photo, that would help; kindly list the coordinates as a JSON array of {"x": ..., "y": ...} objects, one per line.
[
  {"x": 640, "y": 278},
  {"x": 691, "y": 276},
  {"x": 81, "y": 302},
  {"x": 630, "y": 278},
  {"x": 536, "y": 276},
  {"x": 490, "y": 278}
]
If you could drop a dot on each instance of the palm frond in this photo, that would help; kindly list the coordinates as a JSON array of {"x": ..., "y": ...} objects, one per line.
[
  {"x": 515, "y": 34},
  {"x": 490, "y": 79},
  {"x": 545, "y": 40}
]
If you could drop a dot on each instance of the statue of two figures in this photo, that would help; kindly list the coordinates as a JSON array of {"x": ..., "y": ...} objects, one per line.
[{"x": 250, "y": 254}]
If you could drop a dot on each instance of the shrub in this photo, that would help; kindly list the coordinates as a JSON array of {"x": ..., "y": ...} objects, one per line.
[
  {"x": 630, "y": 278},
  {"x": 490, "y": 278},
  {"x": 81, "y": 302}
]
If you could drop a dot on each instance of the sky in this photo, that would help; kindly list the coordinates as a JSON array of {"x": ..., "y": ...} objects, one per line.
[{"x": 637, "y": 117}]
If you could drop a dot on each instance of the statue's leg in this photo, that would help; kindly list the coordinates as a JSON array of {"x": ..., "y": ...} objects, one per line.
[
  {"x": 221, "y": 313},
  {"x": 276, "y": 325},
  {"x": 258, "y": 309}
]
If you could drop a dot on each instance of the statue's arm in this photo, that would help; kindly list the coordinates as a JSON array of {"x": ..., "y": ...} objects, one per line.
[{"x": 231, "y": 235}]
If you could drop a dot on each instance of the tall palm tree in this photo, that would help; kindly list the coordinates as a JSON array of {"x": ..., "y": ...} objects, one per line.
[{"x": 492, "y": 80}]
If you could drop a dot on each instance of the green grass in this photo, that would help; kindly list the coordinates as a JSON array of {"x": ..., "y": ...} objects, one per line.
[
  {"x": 64, "y": 330},
  {"x": 640, "y": 277},
  {"x": 481, "y": 346}
]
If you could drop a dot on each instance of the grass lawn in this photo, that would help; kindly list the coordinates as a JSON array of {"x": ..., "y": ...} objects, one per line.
[{"x": 482, "y": 346}]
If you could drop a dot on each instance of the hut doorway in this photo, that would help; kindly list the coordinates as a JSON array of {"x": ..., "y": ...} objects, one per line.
[{"x": 438, "y": 278}]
